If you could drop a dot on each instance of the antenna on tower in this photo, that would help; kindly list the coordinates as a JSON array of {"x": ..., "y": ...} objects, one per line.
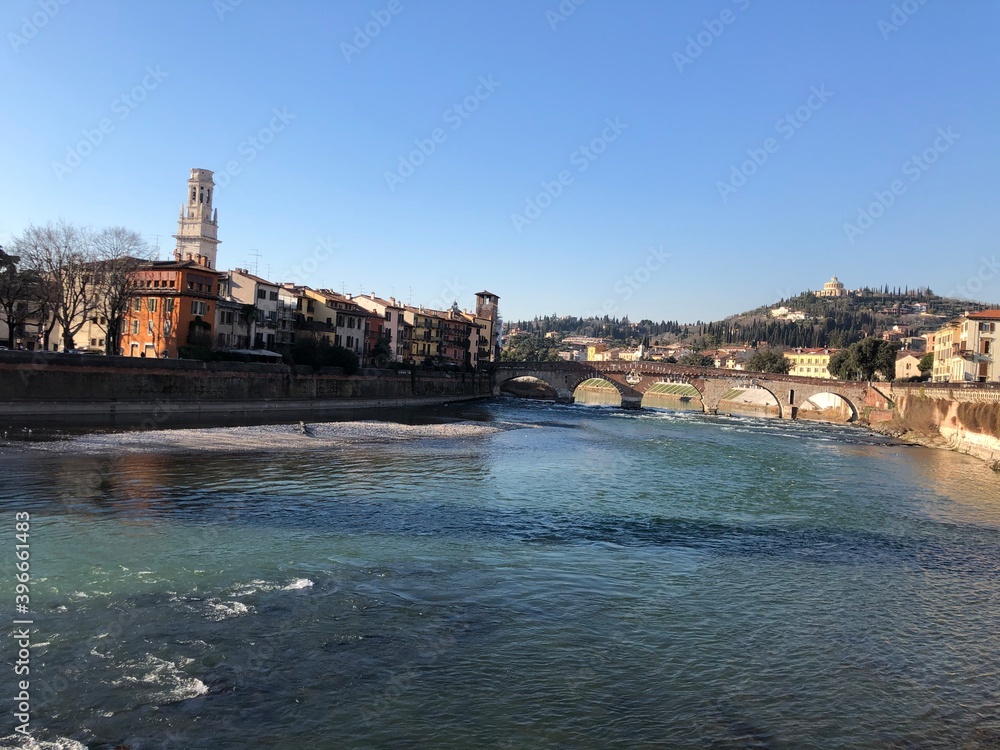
[
  {"x": 256, "y": 261},
  {"x": 156, "y": 238}
]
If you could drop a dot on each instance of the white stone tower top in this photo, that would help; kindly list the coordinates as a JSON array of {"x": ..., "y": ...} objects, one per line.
[{"x": 198, "y": 226}]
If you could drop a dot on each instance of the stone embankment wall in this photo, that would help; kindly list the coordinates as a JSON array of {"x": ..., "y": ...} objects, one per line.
[
  {"x": 962, "y": 416},
  {"x": 86, "y": 390}
]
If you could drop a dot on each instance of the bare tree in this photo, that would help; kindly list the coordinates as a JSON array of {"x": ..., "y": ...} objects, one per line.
[
  {"x": 119, "y": 254},
  {"x": 63, "y": 255},
  {"x": 21, "y": 291}
]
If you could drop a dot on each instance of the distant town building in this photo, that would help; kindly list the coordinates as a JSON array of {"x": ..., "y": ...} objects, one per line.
[
  {"x": 785, "y": 313},
  {"x": 833, "y": 288},
  {"x": 810, "y": 363},
  {"x": 907, "y": 365}
]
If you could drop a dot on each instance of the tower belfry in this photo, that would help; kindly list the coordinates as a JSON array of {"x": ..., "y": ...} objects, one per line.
[{"x": 198, "y": 226}]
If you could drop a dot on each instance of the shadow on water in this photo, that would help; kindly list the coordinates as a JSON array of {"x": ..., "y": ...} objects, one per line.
[{"x": 279, "y": 492}]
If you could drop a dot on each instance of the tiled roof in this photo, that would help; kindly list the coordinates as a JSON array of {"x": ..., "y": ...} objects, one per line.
[{"x": 985, "y": 315}]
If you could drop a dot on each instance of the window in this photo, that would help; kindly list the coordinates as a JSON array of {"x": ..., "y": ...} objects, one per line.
[
  {"x": 168, "y": 304},
  {"x": 168, "y": 326},
  {"x": 388, "y": 315},
  {"x": 261, "y": 294},
  {"x": 149, "y": 326},
  {"x": 135, "y": 327},
  {"x": 137, "y": 304},
  {"x": 273, "y": 296},
  {"x": 199, "y": 308},
  {"x": 151, "y": 304}
]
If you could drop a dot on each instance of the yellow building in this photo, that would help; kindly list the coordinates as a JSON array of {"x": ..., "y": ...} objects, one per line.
[
  {"x": 833, "y": 288},
  {"x": 810, "y": 363}
]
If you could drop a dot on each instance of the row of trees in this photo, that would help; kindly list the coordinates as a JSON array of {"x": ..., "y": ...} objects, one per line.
[{"x": 63, "y": 275}]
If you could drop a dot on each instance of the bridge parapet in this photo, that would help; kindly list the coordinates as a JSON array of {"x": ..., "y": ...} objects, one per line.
[{"x": 633, "y": 379}]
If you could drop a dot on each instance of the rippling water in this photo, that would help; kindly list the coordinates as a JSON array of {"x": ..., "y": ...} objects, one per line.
[{"x": 584, "y": 578}]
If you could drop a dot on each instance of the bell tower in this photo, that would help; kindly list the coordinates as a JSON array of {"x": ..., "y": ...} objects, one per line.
[{"x": 198, "y": 226}]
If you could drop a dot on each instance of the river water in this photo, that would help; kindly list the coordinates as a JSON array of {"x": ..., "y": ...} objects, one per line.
[{"x": 542, "y": 577}]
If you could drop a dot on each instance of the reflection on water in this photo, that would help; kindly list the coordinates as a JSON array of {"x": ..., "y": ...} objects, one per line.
[{"x": 585, "y": 578}]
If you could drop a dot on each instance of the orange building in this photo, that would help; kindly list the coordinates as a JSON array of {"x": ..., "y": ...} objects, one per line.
[{"x": 174, "y": 307}]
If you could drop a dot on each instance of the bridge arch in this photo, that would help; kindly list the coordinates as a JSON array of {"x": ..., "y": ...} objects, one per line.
[
  {"x": 672, "y": 393},
  {"x": 827, "y": 405},
  {"x": 528, "y": 386},
  {"x": 750, "y": 398},
  {"x": 607, "y": 384}
]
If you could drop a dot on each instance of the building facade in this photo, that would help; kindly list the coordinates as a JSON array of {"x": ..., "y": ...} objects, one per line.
[
  {"x": 965, "y": 349},
  {"x": 810, "y": 363},
  {"x": 260, "y": 300},
  {"x": 175, "y": 306}
]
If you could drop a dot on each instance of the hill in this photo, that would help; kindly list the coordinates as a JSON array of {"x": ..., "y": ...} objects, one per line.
[{"x": 809, "y": 321}]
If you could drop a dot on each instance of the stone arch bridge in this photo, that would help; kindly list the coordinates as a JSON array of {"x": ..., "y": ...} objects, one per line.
[{"x": 633, "y": 379}]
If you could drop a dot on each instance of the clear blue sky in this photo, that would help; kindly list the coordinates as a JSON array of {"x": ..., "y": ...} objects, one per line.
[{"x": 687, "y": 114}]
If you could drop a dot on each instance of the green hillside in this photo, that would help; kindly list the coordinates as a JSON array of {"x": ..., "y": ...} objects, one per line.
[{"x": 831, "y": 322}]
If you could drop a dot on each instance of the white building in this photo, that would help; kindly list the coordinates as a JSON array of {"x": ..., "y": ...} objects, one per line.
[
  {"x": 395, "y": 322},
  {"x": 240, "y": 287}
]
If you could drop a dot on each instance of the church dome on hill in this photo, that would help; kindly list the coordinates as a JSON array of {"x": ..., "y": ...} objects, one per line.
[{"x": 833, "y": 288}]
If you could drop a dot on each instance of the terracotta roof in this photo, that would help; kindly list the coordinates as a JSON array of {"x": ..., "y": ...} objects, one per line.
[{"x": 985, "y": 315}]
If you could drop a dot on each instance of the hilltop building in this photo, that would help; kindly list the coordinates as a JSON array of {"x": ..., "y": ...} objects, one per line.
[{"x": 833, "y": 288}]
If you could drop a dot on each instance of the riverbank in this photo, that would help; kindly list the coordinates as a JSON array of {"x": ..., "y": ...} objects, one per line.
[
  {"x": 963, "y": 418},
  {"x": 80, "y": 392}
]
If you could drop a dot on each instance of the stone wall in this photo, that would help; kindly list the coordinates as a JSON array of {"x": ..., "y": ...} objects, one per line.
[
  {"x": 50, "y": 387},
  {"x": 962, "y": 417}
]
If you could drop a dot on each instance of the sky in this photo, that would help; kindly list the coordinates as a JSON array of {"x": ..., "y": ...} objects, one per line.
[{"x": 663, "y": 160}]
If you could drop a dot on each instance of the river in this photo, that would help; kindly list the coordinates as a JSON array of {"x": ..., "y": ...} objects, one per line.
[{"x": 507, "y": 575}]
